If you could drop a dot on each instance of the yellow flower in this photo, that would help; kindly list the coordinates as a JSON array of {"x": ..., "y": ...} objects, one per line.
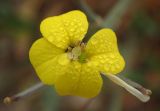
[{"x": 62, "y": 60}]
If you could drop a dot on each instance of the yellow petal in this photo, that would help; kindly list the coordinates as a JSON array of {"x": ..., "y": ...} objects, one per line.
[
  {"x": 79, "y": 80},
  {"x": 76, "y": 25},
  {"x": 109, "y": 63},
  {"x": 54, "y": 31},
  {"x": 42, "y": 51},
  {"x": 48, "y": 60},
  {"x": 65, "y": 29},
  {"x": 104, "y": 41},
  {"x": 102, "y": 49}
]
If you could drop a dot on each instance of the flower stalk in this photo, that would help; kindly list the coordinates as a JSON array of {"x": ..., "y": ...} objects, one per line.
[
  {"x": 135, "y": 89},
  {"x": 27, "y": 92},
  {"x": 136, "y": 85}
]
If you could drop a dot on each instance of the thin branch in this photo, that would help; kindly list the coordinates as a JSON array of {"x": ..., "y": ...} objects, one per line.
[
  {"x": 114, "y": 17},
  {"x": 27, "y": 92},
  {"x": 93, "y": 17},
  {"x": 112, "y": 20}
]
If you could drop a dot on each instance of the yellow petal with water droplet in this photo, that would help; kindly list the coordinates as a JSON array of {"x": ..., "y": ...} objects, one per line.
[
  {"x": 79, "y": 80},
  {"x": 104, "y": 41},
  {"x": 76, "y": 25},
  {"x": 103, "y": 49},
  {"x": 49, "y": 71},
  {"x": 54, "y": 31},
  {"x": 65, "y": 29},
  {"x": 48, "y": 60},
  {"x": 42, "y": 51},
  {"x": 109, "y": 63}
]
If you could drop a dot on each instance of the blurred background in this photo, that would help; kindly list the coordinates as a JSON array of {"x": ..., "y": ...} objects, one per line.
[{"x": 137, "y": 24}]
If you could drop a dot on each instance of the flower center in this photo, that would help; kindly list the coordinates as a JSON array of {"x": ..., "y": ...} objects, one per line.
[{"x": 77, "y": 53}]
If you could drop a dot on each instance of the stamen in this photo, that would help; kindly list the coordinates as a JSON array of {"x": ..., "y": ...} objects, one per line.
[
  {"x": 142, "y": 93},
  {"x": 77, "y": 52}
]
